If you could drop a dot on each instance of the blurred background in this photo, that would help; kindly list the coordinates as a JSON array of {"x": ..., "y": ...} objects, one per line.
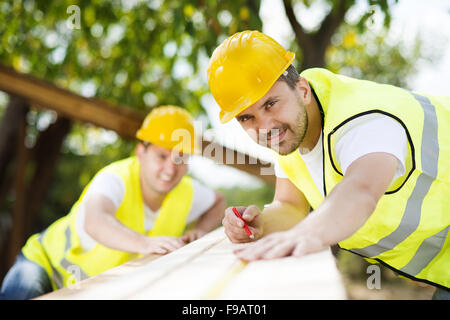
[{"x": 141, "y": 54}]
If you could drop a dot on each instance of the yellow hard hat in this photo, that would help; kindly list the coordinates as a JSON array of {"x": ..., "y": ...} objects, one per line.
[
  {"x": 243, "y": 68},
  {"x": 169, "y": 127}
]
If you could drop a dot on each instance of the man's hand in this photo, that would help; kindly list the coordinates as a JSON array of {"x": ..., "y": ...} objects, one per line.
[
  {"x": 345, "y": 210},
  {"x": 192, "y": 235},
  {"x": 161, "y": 245},
  {"x": 234, "y": 227},
  {"x": 280, "y": 244}
]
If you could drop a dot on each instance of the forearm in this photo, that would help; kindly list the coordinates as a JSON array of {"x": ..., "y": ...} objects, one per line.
[
  {"x": 281, "y": 215},
  {"x": 213, "y": 217},
  {"x": 341, "y": 214},
  {"x": 110, "y": 232}
]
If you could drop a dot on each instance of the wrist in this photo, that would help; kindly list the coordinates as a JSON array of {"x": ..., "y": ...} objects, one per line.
[
  {"x": 315, "y": 231},
  {"x": 143, "y": 244}
]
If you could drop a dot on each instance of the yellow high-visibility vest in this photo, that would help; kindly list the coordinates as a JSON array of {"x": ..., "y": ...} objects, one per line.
[
  {"x": 409, "y": 229},
  {"x": 58, "y": 249}
]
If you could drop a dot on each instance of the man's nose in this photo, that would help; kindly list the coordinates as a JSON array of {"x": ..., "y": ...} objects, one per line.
[
  {"x": 264, "y": 127},
  {"x": 170, "y": 167}
]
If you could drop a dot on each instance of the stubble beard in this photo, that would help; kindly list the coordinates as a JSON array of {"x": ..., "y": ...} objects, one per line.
[{"x": 298, "y": 132}]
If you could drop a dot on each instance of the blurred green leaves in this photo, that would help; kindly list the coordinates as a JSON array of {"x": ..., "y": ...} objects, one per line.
[
  {"x": 142, "y": 54},
  {"x": 125, "y": 50}
]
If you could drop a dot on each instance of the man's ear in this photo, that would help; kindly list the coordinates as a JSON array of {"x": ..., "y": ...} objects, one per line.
[
  {"x": 140, "y": 150},
  {"x": 304, "y": 90}
]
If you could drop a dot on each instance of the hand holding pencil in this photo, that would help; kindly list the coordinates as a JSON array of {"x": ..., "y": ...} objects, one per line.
[{"x": 242, "y": 224}]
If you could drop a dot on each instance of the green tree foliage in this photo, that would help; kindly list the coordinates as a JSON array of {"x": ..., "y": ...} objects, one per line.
[
  {"x": 142, "y": 54},
  {"x": 243, "y": 197},
  {"x": 353, "y": 44},
  {"x": 136, "y": 53}
]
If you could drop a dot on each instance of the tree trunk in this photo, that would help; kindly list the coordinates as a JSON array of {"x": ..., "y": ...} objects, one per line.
[
  {"x": 45, "y": 156},
  {"x": 12, "y": 118},
  {"x": 30, "y": 193},
  {"x": 314, "y": 45},
  {"x": 19, "y": 211}
]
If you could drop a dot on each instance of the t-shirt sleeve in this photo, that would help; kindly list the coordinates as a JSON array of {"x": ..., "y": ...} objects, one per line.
[
  {"x": 377, "y": 133},
  {"x": 279, "y": 172},
  {"x": 109, "y": 185},
  {"x": 202, "y": 201}
]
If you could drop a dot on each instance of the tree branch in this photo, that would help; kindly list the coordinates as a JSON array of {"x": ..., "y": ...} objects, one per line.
[
  {"x": 332, "y": 22},
  {"x": 300, "y": 34}
]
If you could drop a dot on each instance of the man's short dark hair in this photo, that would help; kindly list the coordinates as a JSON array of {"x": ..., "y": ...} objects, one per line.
[
  {"x": 290, "y": 76},
  {"x": 146, "y": 144}
]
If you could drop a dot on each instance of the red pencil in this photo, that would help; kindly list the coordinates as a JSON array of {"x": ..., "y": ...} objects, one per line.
[{"x": 250, "y": 234}]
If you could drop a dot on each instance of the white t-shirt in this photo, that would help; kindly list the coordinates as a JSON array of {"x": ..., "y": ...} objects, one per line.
[
  {"x": 366, "y": 134},
  {"x": 112, "y": 186}
]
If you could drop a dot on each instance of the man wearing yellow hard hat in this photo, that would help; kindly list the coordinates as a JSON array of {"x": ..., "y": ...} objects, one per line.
[
  {"x": 139, "y": 205},
  {"x": 371, "y": 161}
]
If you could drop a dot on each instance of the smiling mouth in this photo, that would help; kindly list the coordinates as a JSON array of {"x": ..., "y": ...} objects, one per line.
[
  {"x": 165, "y": 178},
  {"x": 278, "y": 137}
]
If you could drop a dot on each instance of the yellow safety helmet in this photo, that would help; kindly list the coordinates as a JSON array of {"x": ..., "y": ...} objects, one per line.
[
  {"x": 243, "y": 68},
  {"x": 169, "y": 127}
]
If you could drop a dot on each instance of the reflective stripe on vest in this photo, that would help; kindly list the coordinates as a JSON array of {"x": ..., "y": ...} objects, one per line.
[
  {"x": 57, "y": 278},
  {"x": 69, "y": 267},
  {"x": 64, "y": 259},
  {"x": 411, "y": 217},
  {"x": 409, "y": 229},
  {"x": 76, "y": 270}
]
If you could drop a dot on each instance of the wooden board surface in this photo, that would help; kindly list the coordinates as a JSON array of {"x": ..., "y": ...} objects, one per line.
[{"x": 208, "y": 269}]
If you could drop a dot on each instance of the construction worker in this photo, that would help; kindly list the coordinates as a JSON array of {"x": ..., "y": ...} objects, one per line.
[
  {"x": 372, "y": 160},
  {"x": 136, "y": 206}
]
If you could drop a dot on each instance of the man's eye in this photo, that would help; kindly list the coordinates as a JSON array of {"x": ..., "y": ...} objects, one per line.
[
  {"x": 270, "y": 104},
  {"x": 243, "y": 118}
]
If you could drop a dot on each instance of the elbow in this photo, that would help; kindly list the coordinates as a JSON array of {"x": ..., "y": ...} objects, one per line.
[
  {"x": 91, "y": 222},
  {"x": 89, "y": 225}
]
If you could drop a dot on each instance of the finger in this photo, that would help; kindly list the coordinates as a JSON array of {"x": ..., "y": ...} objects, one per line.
[
  {"x": 167, "y": 246},
  {"x": 300, "y": 250},
  {"x": 236, "y": 237},
  {"x": 160, "y": 250},
  {"x": 257, "y": 250},
  {"x": 231, "y": 218},
  {"x": 234, "y": 231},
  {"x": 251, "y": 213},
  {"x": 254, "y": 230},
  {"x": 279, "y": 250},
  {"x": 190, "y": 237},
  {"x": 177, "y": 242},
  {"x": 171, "y": 244},
  {"x": 256, "y": 221}
]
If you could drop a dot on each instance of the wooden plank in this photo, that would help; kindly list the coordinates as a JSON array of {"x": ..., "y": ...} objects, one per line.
[
  {"x": 125, "y": 121},
  {"x": 208, "y": 269},
  {"x": 145, "y": 275},
  {"x": 314, "y": 276},
  {"x": 193, "y": 280},
  {"x": 107, "y": 276}
]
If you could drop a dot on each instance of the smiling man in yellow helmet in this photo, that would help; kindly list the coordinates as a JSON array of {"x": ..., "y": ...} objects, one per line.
[
  {"x": 372, "y": 160},
  {"x": 139, "y": 205}
]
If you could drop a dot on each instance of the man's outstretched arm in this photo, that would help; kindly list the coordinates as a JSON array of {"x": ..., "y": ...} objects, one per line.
[{"x": 341, "y": 214}]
